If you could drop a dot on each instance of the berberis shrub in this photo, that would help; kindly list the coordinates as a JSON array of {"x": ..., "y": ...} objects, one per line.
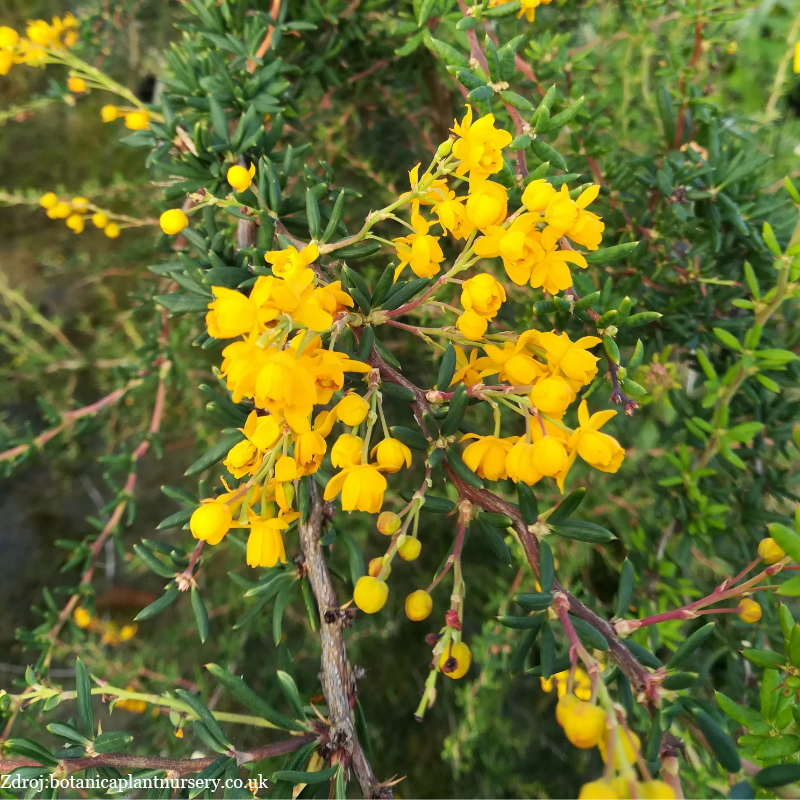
[{"x": 507, "y": 290}]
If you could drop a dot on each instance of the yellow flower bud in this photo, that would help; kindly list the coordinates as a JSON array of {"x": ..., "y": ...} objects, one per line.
[
  {"x": 76, "y": 85},
  {"x": 59, "y": 211},
  {"x": 137, "y": 120},
  {"x": 472, "y": 325},
  {"x": 597, "y": 790},
  {"x": 111, "y": 230},
  {"x": 483, "y": 294},
  {"x": 796, "y": 61},
  {"x": 537, "y": 195},
  {"x": 655, "y": 790},
  {"x": 173, "y": 221},
  {"x": 211, "y": 521},
  {"x": 346, "y": 451},
  {"x": 99, "y": 220},
  {"x": 75, "y": 223},
  {"x": 552, "y": 396},
  {"x": 241, "y": 178},
  {"x": 391, "y": 455},
  {"x": 749, "y": 610},
  {"x": 8, "y": 37},
  {"x": 455, "y": 660},
  {"x": 584, "y": 723},
  {"x": 370, "y": 594},
  {"x": 80, "y": 203},
  {"x": 389, "y": 523},
  {"x": 109, "y": 113},
  {"x": 375, "y": 567},
  {"x": 769, "y": 551},
  {"x": 409, "y": 549},
  {"x": 48, "y": 200},
  {"x": 82, "y": 617},
  {"x": 488, "y": 205},
  {"x": 352, "y": 409},
  {"x": 418, "y": 605}
]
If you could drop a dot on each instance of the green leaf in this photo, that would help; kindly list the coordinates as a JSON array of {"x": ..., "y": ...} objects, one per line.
[
  {"x": 690, "y": 644},
  {"x": 83, "y": 688},
  {"x": 200, "y": 614},
  {"x": 295, "y": 777},
  {"x": 790, "y": 588},
  {"x": 503, "y": 10},
  {"x": 777, "y": 775},
  {"x": 291, "y": 693},
  {"x": 252, "y": 701},
  {"x": 522, "y": 104},
  {"x": 719, "y": 741},
  {"x": 277, "y": 613},
  {"x": 152, "y": 563},
  {"x": 30, "y": 749},
  {"x": 534, "y": 601},
  {"x": 335, "y": 219},
  {"x": 216, "y": 453},
  {"x": 205, "y": 716},
  {"x": 727, "y": 339},
  {"x": 157, "y": 606},
  {"x": 355, "y": 558},
  {"x": 218, "y": 120},
  {"x": 495, "y": 541},
  {"x": 448, "y": 54},
  {"x": 589, "y": 635},
  {"x": 544, "y": 152},
  {"x": 778, "y": 747},
  {"x": 178, "y": 303},
  {"x": 744, "y": 432},
  {"x": 462, "y": 471},
  {"x": 410, "y": 438},
  {"x": 112, "y": 742},
  {"x": 786, "y": 539},
  {"x": 769, "y": 238},
  {"x": 456, "y": 411},
  {"x": 68, "y": 732},
  {"x": 770, "y": 693},
  {"x": 447, "y": 368},
  {"x": 521, "y": 623},
  {"x": 624, "y": 589},
  {"x": 583, "y": 532},
  {"x": 528, "y": 506},
  {"x": 764, "y": 658},
  {"x": 567, "y": 506},
  {"x": 607, "y": 255},
  {"x": 642, "y": 654},
  {"x": 747, "y": 717}
]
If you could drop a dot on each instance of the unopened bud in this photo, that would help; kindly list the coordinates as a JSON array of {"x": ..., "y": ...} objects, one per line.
[
  {"x": 444, "y": 148},
  {"x": 375, "y": 567},
  {"x": 389, "y": 523}
]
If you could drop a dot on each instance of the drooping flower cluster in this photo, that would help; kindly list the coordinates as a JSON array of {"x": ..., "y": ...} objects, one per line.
[
  {"x": 40, "y": 36},
  {"x": 75, "y": 212}
]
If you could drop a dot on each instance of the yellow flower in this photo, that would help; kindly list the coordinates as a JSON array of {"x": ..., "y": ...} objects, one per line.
[
  {"x": 519, "y": 246},
  {"x": 99, "y": 220},
  {"x": 563, "y": 218},
  {"x": 631, "y": 745},
  {"x": 173, "y": 221},
  {"x": 8, "y": 37},
  {"x": 376, "y": 566},
  {"x": 245, "y": 458},
  {"x": 483, "y": 294},
  {"x": 655, "y": 790},
  {"x": 82, "y": 617},
  {"x": 48, "y": 200},
  {"x": 479, "y": 147},
  {"x": 60, "y": 210},
  {"x": 418, "y": 605},
  {"x": 39, "y": 32},
  {"x": 352, "y": 409},
  {"x": 230, "y": 314},
  {"x": 109, "y": 113},
  {"x": 434, "y": 193},
  {"x": 134, "y": 706},
  {"x": 472, "y": 325},
  {"x": 452, "y": 214},
  {"x": 361, "y": 486},
  {"x": 310, "y": 447},
  {"x": 289, "y": 264},
  {"x": 570, "y": 358},
  {"x": 455, "y": 660},
  {"x": 137, "y": 120},
  {"x": 552, "y": 396},
  {"x": 769, "y": 551},
  {"x": 469, "y": 371},
  {"x": 286, "y": 470},
  {"x": 419, "y": 250},
  {"x": 409, "y": 549},
  {"x": 796, "y": 62},
  {"x": 75, "y": 223},
  {"x": 584, "y": 723},
  {"x": 530, "y": 462},
  {"x": 537, "y": 195},
  {"x": 600, "y": 450},
  {"x": 582, "y": 686},
  {"x": 749, "y": 610},
  {"x": 487, "y": 205},
  {"x": 111, "y": 230},
  {"x": 346, "y": 451},
  {"x": 370, "y": 594},
  {"x": 211, "y": 521},
  {"x": 328, "y": 367},
  {"x": 597, "y": 790},
  {"x": 391, "y": 455},
  {"x": 487, "y": 456},
  {"x": 241, "y": 178},
  {"x": 285, "y": 387},
  {"x": 516, "y": 363},
  {"x": 80, "y": 203},
  {"x": 331, "y": 297},
  {"x": 76, "y": 85},
  {"x": 265, "y": 543}
]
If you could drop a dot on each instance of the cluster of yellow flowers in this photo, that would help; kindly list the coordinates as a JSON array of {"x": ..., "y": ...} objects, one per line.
[
  {"x": 39, "y": 37},
  {"x": 136, "y": 119},
  {"x": 75, "y": 213},
  {"x": 586, "y": 725},
  {"x": 110, "y": 632}
]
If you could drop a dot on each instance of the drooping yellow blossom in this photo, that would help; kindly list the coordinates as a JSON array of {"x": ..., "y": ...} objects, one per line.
[
  {"x": 469, "y": 371},
  {"x": 631, "y": 746},
  {"x": 452, "y": 214},
  {"x": 75, "y": 223},
  {"x": 240, "y": 178},
  {"x": 571, "y": 358},
  {"x": 515, "y": 362},
  {"x": 749, "y": 610},
  {"x": 487, "y": 205},
  {"x": 391, "y": 455},
  {"x": 599, "y": 450},
  {"x": 211, "y": 521},
  {"x": 173, "y": 221},
  {"x": 99, "y": 220},
  {"x": 265, "y": 544},
  {"x": 76, "y": 85},
  {"x": 483, "y": 294},
  {"x": 370, "y": 594},
  {"x": 261, "y": 434},
  {"x": 552, "y": 396},
  {"x": 361, "y": 487},
  {"x": 60, "y": 210},
  {"x": 352, "y": 409},
  {"x": 346, "y": 451},
  {"x": 479, "y": 147},
  {"x": 564, "y": 216},
  {"x": 137, "y": 120},
  {"x": 109, "y": 113},
  {"x": 418, "y": 605},
  {"x": 111, "y": 230},
  {"x": 419, "y": 250},
  {"x": 546, "y": 456},
  {"x": 582, "y": 686},
  {"x": 584, "y": 723},
  {"x": 409, "y": 548},
  {"x": 472, "y": 325},
  {"x": 310, "y": 447},
  {"x": 769, "y": 551},
  {"x": 487, "y": 455},
  {"x": 48, "y": 200}
]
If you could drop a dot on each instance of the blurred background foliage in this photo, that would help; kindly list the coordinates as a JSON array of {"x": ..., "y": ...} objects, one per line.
[{"x": 373, "y": 104}]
